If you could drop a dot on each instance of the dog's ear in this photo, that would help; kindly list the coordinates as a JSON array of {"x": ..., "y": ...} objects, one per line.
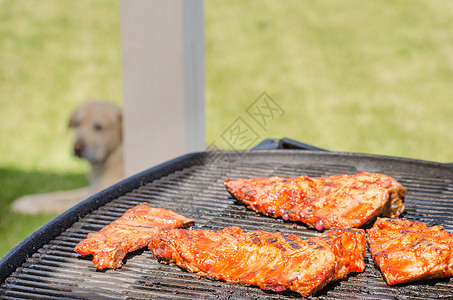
[
  {"x": 73, "y": 120},
  {"x": 120, "y": 116},
  {"x": 120, "y": 121}
]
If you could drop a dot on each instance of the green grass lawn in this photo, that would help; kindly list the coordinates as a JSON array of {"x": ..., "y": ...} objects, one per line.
[{"x": 355, "y": 76}]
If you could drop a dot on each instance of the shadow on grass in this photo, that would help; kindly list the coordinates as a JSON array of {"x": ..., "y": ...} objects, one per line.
[{"x": 14, "y": 183}]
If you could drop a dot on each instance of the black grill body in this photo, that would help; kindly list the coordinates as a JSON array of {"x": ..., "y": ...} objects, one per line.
[{"x": 46, "y": 266}]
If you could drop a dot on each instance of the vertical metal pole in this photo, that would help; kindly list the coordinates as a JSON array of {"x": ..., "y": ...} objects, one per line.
[{"x": 163, "y": 80}]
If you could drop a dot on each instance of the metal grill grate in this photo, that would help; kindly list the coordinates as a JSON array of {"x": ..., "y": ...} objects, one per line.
[{"x": 56, "y": 271}]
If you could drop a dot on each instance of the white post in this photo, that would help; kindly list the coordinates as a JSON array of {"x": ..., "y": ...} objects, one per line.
[{"x": 163, "y": 80}]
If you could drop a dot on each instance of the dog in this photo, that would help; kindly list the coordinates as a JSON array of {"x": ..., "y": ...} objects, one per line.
[{"x": 98, "y": 139}]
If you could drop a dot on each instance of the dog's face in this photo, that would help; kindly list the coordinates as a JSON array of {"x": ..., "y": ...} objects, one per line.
[{"x": 98, "y": 130}]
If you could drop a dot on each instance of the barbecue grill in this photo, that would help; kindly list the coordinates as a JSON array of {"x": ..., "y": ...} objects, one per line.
[{"x": 46, "y": 266}]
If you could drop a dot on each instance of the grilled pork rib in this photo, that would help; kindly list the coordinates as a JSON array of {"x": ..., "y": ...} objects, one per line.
[
  {"x": 272, "y": 261},
  {"x": 339, "y": 201},
  {"x": 408, "y": 251},
  {"x": 130, "y": 232}
]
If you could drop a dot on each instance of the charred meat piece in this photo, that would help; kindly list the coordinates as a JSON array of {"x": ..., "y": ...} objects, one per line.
[
  {"x": 339, "y": 201},
  {"x": 130, "y": 232},
  {"x": 272, "y": 261},
  {"x": 408, "y": 251}
]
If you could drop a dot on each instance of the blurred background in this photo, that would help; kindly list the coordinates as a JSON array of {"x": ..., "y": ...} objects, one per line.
[{"x": 356, "y": 76}]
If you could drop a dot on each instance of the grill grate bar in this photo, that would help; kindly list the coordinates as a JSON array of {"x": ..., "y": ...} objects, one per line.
[{"x": 25, "y": 292}]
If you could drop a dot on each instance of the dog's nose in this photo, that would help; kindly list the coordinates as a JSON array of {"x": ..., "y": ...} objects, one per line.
[{"x": 78, "y": 148}]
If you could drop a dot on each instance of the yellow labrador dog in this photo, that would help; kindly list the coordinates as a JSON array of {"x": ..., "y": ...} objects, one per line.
[{"x": 98, "y": 139}]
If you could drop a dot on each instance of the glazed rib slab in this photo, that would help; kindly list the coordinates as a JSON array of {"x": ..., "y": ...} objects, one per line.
[
  {"x": 338, "y": 201},
  {"x": 132, "y": 231},
  {"x": 272, "y": 261},
  {"x": 408, "y": 251}
]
